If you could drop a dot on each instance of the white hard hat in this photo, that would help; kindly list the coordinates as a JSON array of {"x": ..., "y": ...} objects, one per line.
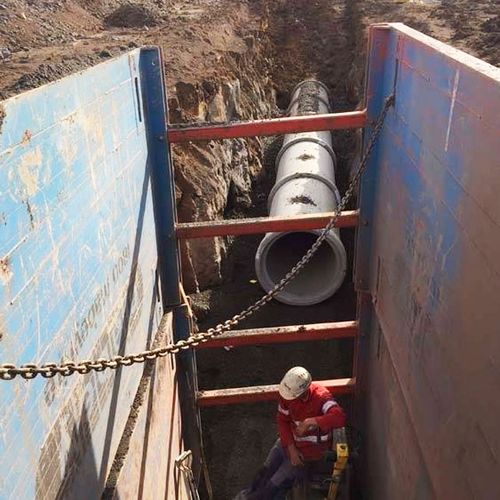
[{"x": 295, "y": 382}]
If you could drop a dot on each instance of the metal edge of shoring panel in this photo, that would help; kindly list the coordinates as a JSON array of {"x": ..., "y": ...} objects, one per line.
[
  {"x": 162, "y": 179},
  {"x": 163, "y": 188},
  {"x": 375, "y": 92},
  {"x": 377, "y": 89}
]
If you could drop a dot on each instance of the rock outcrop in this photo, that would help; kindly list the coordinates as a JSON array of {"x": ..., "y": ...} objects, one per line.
[{"x": 214, "y": 178}]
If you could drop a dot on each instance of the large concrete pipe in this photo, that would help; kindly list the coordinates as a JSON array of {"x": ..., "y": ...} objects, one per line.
[{"x": 305, "y": 184}]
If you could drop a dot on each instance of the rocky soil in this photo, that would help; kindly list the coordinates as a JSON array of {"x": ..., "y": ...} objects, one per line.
[{"x": 228, "y": 60}]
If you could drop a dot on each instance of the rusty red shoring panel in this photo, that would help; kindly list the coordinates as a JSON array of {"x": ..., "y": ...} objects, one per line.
[
  {"x": 276, "y": 126},
  {"x": 265, "y": 393},
  {"x": 208, "y": 229},
  {"x": 284, "y": 334}
]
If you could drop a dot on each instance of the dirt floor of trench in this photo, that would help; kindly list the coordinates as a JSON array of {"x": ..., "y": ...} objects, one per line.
[{"x": 43, "y": 41}]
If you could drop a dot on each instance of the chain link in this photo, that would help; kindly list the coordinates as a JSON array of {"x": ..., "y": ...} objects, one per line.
[{"x": 49, "y": 370}]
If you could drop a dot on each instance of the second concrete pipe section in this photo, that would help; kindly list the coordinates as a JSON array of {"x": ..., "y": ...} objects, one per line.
[{"x": 305, "y": 184}]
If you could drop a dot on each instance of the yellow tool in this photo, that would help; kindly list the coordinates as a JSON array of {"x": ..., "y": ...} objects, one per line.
[{"x": 338, "y": 470}]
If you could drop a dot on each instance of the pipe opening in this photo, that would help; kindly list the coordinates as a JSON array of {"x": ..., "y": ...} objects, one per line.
[{"x": 319, "y": 279}]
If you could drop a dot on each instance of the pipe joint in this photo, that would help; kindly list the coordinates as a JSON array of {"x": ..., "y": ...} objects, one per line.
[{"x": 305, "y": 184}]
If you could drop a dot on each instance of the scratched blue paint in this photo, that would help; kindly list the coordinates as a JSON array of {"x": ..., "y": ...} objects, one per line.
[
  {"x": 439, "y": 234},
  {"x": 77, "y": 231},
  {"x": 428, "y": 256},
  {"x": 429, "y": 122}
]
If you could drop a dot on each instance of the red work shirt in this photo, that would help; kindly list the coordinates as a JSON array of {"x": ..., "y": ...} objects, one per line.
[{"x": 323, "y": 408}]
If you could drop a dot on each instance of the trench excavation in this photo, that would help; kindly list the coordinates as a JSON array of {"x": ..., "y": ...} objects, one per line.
[
  {"x": 233, "y": 61},
  {"x": 238, "y": 437}
]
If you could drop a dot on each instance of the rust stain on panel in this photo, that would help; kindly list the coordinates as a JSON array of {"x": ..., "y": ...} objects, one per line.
[
  {"x": 5, "y": 271},
  {"x": 26, "y": 137}
]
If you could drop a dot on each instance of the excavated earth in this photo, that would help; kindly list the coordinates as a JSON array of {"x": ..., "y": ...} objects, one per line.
[{"x": 228, "y": 60}]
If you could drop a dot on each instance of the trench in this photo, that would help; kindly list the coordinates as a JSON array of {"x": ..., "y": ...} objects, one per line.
[
  {"x": 322, "y": 39},
  {"x": 308, "y": 39}
]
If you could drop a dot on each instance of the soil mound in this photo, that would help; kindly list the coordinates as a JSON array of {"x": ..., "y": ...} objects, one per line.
[
  {"x": 491, "y": 40},
  {"x": 131, "y": 16}
]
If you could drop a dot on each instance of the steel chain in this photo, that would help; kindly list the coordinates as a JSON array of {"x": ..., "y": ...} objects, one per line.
[{"x": 49, "y": 370}]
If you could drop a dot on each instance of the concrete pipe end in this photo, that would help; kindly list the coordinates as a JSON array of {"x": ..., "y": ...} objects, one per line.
[{"x": 319, "y": 280}]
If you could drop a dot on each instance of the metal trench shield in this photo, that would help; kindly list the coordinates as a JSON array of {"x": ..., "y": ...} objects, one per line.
[
  {"x": 82, "y": 168},
  {"x": 428, "y": 273}
]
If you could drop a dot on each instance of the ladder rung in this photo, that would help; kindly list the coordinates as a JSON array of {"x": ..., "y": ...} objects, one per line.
[
  {"x": 284, "y": 334},
  {"x": 265, "y": 393},
  {"x": 192, "y": 230},
  {"x": 276, "y": 126}
]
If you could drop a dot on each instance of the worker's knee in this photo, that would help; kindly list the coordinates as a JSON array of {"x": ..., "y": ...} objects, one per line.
[
  {"x": 286, "y": 475},
  {"x": 276, "y": 455}
]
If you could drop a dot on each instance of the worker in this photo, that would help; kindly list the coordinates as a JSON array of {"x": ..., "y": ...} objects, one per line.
[{"x": 307, "y": 413}]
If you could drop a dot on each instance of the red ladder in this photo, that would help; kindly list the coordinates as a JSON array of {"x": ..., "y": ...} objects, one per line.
[{"x": 261, "y": 336}]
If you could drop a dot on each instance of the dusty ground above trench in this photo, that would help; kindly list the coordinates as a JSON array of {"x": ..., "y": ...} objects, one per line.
[
  {"x": 42, "y": 40},
  {"x": 206, "y": 42}
]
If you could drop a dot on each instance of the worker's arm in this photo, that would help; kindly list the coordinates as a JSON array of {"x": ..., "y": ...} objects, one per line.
[
  {"x": 286, "y": 435},
  {"x": 333, "y": 416},
  {"x": 284, "y": 424}
]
